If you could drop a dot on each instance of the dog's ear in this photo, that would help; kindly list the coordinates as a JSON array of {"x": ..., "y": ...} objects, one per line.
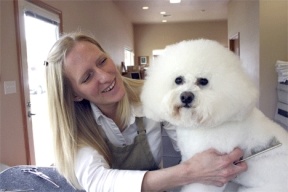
[
  {"x": 153, "y": 90},
  {"x": 249, "y": 101},
  {"x": 242, "y": 94},
  {"x": 149, "y": 102}
]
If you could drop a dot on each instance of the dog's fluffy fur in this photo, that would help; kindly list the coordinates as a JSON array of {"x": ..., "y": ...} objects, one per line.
[{"x": 200, "y": 87}]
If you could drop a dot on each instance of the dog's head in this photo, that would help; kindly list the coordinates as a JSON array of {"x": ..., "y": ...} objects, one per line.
[{"x": 197, "y": 83}]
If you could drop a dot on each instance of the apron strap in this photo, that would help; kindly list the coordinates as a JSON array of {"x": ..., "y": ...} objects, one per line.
[
  {"x": 136, "y": 156},
  {"x": 140, "y": 125}
]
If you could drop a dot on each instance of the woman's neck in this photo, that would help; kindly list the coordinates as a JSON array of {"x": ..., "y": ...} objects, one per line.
[{"x": 111, "y": 112}]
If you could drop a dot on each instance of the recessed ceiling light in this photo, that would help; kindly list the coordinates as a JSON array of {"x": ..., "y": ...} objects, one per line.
[
  {"x": 162, "y": 12},
  {"x": 164, "y": 21},
  {"x": 145, "y": 7},
  {"x": 175, "y": 1}
]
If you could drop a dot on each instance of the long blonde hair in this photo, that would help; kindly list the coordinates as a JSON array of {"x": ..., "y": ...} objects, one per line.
[{"x": 73, "y": 125}]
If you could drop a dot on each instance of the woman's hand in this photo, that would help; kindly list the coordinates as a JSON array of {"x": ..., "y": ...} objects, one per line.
[
  {"x": 212, "y": 168},
  {"x": 208, "y": 167}
]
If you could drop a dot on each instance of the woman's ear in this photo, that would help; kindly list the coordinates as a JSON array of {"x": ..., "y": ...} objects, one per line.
[{"x": 77, "y": 98}]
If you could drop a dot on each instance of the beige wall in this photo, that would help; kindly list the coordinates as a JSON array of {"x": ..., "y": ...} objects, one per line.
[
  {"x": 1, "y": 84},
  {"x": 243, "y": 17},
  {"x": 273, "y": 46},
  {"x": 148, "y": 37},
  {"x": 102, "y": 19},
  {"x": 263, "y": 40},
  {"x": 11, "y": 126}
]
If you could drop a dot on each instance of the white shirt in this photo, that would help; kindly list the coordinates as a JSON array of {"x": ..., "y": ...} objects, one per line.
[{"x": 93, "y": 172}]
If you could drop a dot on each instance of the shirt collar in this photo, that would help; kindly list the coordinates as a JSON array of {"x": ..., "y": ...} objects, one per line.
[
  {"x": 96, "y": 112},
  {"x": 137, "y": 111}
]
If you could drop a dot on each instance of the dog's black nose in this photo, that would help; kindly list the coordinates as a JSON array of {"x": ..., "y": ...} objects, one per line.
[{"x": 187, "y": 97}]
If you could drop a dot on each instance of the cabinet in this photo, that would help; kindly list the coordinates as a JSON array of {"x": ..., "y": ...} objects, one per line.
[{"x": 281, "y": 114}]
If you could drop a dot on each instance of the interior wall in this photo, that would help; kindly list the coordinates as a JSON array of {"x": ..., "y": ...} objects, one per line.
[
  {"x": 109, "y": 26},
  {"x": 263, "y": 40},
  {"x": 1, "y": 87},
  {"x": 101, "y": 18},
  {"x": 243, "y": 18},
  {"x": 12, "y": 148},
  {"x": 273, "y": 47},
  {"x": 148, "y": 37}
]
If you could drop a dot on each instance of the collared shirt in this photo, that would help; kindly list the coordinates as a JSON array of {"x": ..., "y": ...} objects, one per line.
[{"x": 93, "y": 172}]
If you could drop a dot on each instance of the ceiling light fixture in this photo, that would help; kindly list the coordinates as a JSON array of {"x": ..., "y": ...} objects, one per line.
[
  {"x": 164, "y": 21},
  {"x": 175, "y": 1},
  {"x": 162, "y": 12},
  {"x": 145, "y": 7}
]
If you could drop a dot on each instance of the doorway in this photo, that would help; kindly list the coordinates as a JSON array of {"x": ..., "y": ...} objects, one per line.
[
  {"x": 234, "y": 44},
  {"x": 39, "y": 29}
]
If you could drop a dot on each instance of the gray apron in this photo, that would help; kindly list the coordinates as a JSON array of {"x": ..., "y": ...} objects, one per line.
[{"x": 136, "y": 156}]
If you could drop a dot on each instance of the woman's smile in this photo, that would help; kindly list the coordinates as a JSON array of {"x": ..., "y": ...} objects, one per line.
[{"x": 112, "y": 85}]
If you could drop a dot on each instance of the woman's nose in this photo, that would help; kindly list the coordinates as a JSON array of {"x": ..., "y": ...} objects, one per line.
[{"x": 102, "y": 75}]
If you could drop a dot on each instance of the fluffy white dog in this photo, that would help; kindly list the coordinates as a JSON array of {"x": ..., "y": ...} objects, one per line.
[{"x": 200, "y": 87}]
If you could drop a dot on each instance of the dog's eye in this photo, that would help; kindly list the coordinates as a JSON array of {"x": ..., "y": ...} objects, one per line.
[
  {"x": 202, "y": 81},
  {"x": 179, "y": 80}
]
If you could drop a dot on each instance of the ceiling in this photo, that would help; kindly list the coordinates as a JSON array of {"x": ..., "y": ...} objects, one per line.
[{"x": 186, "y": 11}]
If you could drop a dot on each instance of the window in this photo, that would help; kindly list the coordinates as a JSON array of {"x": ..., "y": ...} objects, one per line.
[{"x": 129, "y": 57}]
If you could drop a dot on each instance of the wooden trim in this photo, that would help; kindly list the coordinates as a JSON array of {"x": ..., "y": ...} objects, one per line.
[
  {"x": 19, "y": 60},
  {"x": 21, "y": 84},
  {"x": 51, "y": 9}
]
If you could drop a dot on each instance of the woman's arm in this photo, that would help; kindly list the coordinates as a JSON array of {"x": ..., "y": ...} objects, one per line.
[
  {"x": 95, "y": 175},
  {"x": 208, "y": 167}
]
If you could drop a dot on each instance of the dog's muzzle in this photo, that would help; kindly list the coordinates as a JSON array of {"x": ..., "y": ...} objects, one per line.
[{"x": 186, "y": 98}]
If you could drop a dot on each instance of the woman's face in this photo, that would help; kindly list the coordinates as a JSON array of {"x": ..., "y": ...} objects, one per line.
[{"x": 93, "y": 76}]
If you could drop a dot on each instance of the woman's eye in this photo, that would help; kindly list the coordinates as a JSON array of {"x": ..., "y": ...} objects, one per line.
[
  {"x": 202, "y": 81},
  {"x": 86, "y": 78},
  {"x": 179, "y": 80},
  {"x": 102, "y": 61}
]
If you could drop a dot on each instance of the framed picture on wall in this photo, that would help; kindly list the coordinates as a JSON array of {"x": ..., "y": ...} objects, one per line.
[{"x": 143, "y": 60}]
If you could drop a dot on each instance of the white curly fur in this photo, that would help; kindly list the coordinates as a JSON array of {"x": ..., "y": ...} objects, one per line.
[{"x": 222, "y": 114}]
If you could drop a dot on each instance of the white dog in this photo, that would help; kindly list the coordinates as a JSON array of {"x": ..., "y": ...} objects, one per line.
[{"x": 200, "y": 87}]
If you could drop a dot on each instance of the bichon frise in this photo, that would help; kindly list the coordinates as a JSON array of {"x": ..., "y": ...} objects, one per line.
[{"x": 200, "y": 87}]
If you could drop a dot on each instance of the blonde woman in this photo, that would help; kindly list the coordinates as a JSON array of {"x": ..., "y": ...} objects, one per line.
[{"x": 101, "y": 140}]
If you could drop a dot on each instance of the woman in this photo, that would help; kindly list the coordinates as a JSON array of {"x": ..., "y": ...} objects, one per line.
[{"x": 101, "y": 140}]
